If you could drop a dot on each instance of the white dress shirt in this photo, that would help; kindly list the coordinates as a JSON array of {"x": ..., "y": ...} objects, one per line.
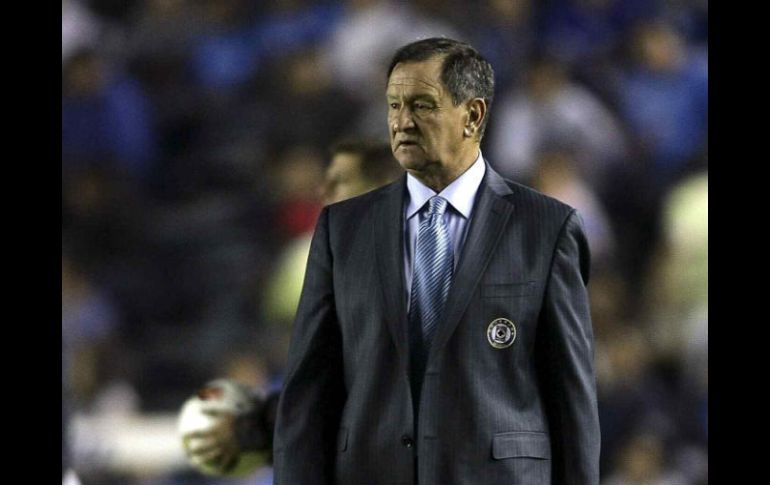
[{"x": 461, "y": 195}]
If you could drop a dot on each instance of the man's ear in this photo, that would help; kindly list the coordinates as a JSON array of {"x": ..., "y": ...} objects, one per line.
[{"x": 477, "y": 112}]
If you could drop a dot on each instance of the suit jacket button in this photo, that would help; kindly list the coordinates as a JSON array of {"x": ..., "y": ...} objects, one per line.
[{"x": 407, "y": 441}]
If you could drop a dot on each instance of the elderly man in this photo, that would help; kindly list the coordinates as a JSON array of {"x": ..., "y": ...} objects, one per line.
[{"x": 443, "y": 335}]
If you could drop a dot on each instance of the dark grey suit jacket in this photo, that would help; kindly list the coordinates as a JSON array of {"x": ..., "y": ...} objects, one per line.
[{"x": 525, "y": 414}]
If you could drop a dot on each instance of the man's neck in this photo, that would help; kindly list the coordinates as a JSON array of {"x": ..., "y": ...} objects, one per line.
[{"x": 438, "y": 179}]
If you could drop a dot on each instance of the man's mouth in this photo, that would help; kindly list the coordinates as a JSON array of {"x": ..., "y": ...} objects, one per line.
[{"x": 407, "y": 143}]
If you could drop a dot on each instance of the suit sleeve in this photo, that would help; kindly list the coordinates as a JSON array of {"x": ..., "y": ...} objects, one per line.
[
  {"x": 565, "y": 359},
  {"x": 311, "y": 401}
]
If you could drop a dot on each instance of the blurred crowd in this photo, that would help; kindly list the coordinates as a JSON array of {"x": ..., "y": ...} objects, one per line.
[{"x": 196, "y": 135}]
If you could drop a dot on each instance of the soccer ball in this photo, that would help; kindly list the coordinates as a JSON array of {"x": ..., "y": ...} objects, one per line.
[{"x": 220, "y": 399}]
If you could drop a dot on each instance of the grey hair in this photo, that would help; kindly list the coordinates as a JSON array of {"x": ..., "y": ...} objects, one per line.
[{"x": 464, "y": 71}]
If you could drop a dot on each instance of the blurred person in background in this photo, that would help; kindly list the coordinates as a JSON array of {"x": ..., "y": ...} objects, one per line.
[
  {"x": 80, "y": 28},
  {"x": 689, "y": 17},
  {"x": 356, "y": 166},
  {"x": 586, "y": 36},
  {"x": 585, "y": 32},
  {"x": 101, "y": 219},
  {"x": 243, "y": 37},
  {"x": 678, "y": 286},
  {"x": 677, "y": 296},
  {"x": 664, "y": 100},
  {"x": 551, "y": 110},
  {"x": 369, "y": 32},
  {"x": 632, "y": 394},
  {"x": 94, "y": 371},
  {"x": 305, "y": 103},
  {"x": 90, "y": 322},
  {"x": 295, "y": 185},
  {"x": 508, "y": 36},
  {"x": 106, "y": 118},
  {"x": 652, "y": 369},
  {"x": 360, "y": 47},
  {"x": 557, "y": 175},
  {"x": 644, "y": 461},
  {"x": 158, "y": 48},
  {"x": 225, "y": 54}
]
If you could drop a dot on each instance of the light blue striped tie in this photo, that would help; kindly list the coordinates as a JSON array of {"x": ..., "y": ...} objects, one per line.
[{"x": 432, "y": 274}]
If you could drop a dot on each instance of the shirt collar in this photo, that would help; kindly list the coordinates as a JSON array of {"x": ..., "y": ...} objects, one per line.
[{"x": 460, "y": 194}]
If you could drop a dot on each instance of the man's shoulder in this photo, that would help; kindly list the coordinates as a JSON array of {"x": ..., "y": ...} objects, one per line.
[
  {"x": 357, "y": 215},
  {"x": 531, "y": 201}
]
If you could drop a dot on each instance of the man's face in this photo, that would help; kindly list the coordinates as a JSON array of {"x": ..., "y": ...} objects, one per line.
[
  {"x": 426, "y": 129},
  {"x": 344, "y": 179}
]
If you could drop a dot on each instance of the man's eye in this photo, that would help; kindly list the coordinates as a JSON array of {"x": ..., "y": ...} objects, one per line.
[
  {"x": 394, "y": 105},
  {"x": 421, "y": 106}
]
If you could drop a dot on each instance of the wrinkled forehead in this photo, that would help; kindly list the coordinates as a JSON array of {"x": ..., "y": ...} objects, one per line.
[{"x": 414, "y": 77}]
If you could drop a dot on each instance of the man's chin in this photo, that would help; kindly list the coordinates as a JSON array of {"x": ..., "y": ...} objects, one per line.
[{"x": 410, "y": 161}]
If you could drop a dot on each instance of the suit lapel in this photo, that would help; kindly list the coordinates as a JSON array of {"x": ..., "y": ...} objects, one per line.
[
  {"x": 490, "y": 214},
  {"x": 388, "y": 236}
]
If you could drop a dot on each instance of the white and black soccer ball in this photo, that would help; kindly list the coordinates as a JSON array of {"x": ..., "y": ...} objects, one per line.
[{"x": 201, "y": 412}]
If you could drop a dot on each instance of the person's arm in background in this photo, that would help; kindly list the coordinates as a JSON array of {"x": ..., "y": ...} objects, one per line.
[
  {"x": 565, "y": 361},
  {"x": 254, "y": 431},
  {"x": 313, "y": 391}
]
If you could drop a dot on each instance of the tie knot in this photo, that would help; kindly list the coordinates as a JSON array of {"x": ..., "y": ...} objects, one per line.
[{"x": 437, "y": 205}]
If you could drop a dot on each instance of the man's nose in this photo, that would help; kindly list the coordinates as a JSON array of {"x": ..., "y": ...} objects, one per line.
[{"x": 404, "y": 120}]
